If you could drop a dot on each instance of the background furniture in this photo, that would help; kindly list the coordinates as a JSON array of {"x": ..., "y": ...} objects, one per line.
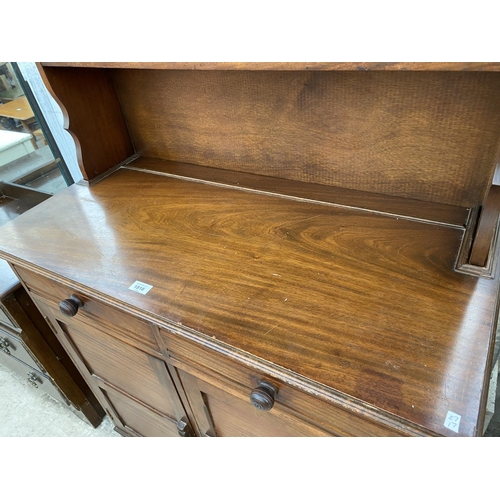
[
  {"x": 27, "y": 344},
  {"x": 20, "y": 110},
  {"x": 14, "y": 145},
  {"x": 278, "y": 249}
]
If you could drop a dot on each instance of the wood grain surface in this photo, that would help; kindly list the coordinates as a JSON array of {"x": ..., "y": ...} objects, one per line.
[
  {"x": 431, "y": 136},
  {"x": 486, "y": 228},
  {"x": 96, "y": 123},
  {"x": 389, "y": 205},
  {"x": 292, "y": 66},
  {"x": 366, "y": 306}
]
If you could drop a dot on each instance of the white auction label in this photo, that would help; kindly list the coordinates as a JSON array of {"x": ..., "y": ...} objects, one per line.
[
  {"x": 452, "y": 421},
  {"x": 140, "y": 287}
]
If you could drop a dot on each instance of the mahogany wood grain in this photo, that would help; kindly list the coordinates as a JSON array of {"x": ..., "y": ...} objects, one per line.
[
  {"x": 94, "y": 313},
  {"x": 234, "y": 416},
  {"x": 147, "y": 381},
  {"x": 291, "y": 66},
  {"x": 365, "y": 307},
  {"x": 430, "y": 136},
  {"x": 92, "y": 116},
  {"x": 214, "y": 369},
  {"x": 390, "y": 205},
  {"x": 137, "y": 420},
  {"x": 61, "y": 332},
  {"x": 106, "y": 357},
  {"x": 486, "y": 228}
]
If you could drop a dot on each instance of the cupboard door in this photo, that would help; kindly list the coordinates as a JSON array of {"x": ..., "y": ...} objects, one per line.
[
  {"x": 228, "y": 412},
  {"x": 134, "y": 387},
  {"x": 137, "y": 420}
]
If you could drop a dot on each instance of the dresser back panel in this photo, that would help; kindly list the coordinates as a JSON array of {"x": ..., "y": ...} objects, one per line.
[{"x": 431, "y": 136}]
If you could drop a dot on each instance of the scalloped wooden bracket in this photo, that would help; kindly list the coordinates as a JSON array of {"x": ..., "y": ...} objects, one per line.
[
  {"x": 92, "y": 116},
  {"x": 65, "y": 117}
]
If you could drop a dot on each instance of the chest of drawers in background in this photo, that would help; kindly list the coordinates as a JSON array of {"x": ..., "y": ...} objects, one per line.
[{"x": 28, "y": 347}]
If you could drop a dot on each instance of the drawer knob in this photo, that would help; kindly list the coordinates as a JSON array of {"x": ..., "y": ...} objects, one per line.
[
  {"x": 4, "y": 346},
  {"x": 32, "y": 379},
  {"x": 263, "y": 396},
  {"x": 69, "y": 307}
]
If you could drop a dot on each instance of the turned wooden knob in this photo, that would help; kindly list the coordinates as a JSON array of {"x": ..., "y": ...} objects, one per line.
[
  {"x": 262, "y": 397},
  {"x": 69, "y": 307}
]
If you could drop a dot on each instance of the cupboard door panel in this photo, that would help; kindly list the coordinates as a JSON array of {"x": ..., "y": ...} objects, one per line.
[
  {"x": 136, "y": 373},
  {"x": 138, "y": 420},
  {"x": 217, "y": 369},
  {"x": 135, "y": 388}
]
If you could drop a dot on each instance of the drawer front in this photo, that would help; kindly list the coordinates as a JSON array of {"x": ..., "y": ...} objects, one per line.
[
  {"x": 227, "y": 412},
  {"x": 36, "y": 379},
  {"x": 210, "y": 366},
  {"x": 112, "y": 320},
  {"x": 12, "y": 346}
]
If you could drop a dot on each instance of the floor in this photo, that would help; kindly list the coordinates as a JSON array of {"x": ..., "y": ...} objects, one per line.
[{"x": 29, "y": 412}]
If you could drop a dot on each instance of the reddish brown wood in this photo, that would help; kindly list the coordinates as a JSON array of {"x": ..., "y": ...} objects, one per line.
[
  {"x": 92, "y": 116},
  {"x": 430, "y": 136},
  {"x": 234, "y": 416},
  {"x": 368, "y": 307},
  {"x": 391, "y": 205},
  {"x": 122, "y": 326},
  {"x": 260, "y": 268},
  {"x": 40, "y": 340},
  {"x": 138, "y": 420},
  {"x": 106, "y": 358},
  {"x": 146, "y": 394},
  {"x": 202, "y": 364},
  {"x": 486, "y": 228},
  {"x": 291, "y": 66}
]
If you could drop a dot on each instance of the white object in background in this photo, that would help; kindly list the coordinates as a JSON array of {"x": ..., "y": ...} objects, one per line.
[
  {"x": 13, "y": 146},
  {"x": 53, "y": 116}
]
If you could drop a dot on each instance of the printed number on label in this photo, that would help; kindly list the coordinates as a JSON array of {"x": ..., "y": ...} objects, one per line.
[{"x": 140, "y": 287}]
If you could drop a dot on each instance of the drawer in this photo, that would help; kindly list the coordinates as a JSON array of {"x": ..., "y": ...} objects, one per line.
[
  {"x": 12, "y": 346},
  {"x": 93, "y": 312},
  {"x": 198, "y": 360},
  {"x": 34, "y": 377}
]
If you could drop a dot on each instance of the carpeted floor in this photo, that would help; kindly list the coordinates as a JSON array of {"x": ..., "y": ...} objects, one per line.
[{"x": 28, "y": 412}]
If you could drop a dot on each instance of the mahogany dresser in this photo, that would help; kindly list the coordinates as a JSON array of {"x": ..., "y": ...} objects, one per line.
[{"x": 289, "y": 249}]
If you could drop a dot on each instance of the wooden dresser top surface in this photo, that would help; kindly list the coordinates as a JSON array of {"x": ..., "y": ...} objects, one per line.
[{"x": 364, "y": 304}]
